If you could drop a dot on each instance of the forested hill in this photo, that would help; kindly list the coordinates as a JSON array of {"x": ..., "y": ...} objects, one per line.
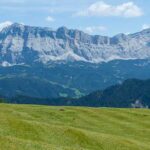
[{"x": 131, "y": 93}]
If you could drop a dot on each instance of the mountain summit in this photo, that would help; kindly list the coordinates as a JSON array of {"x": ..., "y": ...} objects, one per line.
[{"x": 21, "y": 44}]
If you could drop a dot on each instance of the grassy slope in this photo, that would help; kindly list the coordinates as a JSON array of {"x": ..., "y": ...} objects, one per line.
[{"x": 25, "y": 127}]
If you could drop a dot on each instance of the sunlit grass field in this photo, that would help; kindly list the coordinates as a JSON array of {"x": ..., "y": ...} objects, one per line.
[{"x": 28, "y": 127}]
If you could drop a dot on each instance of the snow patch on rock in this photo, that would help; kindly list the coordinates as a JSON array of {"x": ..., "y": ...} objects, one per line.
[{"x": 5, "y": 24}]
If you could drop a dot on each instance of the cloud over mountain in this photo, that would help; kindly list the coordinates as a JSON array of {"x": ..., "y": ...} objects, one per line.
[{"x": 129, "y": 9}]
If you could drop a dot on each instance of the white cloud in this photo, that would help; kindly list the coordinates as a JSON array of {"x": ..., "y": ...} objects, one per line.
[
  {"x": 50, "y": 19},
  {"x": 5, "y": 24},
  {"x": 103, "y": 9},
  {"x": 145, "y": 26},
  {"x": 95, "y": 29}
]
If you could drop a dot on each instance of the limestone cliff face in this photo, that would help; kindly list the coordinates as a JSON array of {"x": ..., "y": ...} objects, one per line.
[{"x": 21, "y": 44}]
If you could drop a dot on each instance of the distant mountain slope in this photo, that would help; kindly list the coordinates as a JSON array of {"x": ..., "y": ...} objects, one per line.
[
  {"x": 11, "y": 86},
  {"x": 70, "y": 79},
  {"x": 131, "y": 93},
  {"x": 128, "y": 94},
  {"x": 21, "y": 44}
]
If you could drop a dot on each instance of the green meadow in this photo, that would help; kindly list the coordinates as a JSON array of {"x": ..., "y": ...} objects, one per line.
[{"x": 30, "y": 127}]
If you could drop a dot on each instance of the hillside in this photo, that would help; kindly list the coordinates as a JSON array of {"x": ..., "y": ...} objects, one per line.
[
  {"x": 11, "y": 86},
  {"x": 24, "y": 127},
  {"x": 70, "y": 80},
  {"x": 120, "y": 95},
  {"x": 130, "y": 93}
]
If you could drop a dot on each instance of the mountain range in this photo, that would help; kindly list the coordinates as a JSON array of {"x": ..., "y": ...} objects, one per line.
[
  {"x": 47, "y": 64},
  {"x": 21, "y": 44}
]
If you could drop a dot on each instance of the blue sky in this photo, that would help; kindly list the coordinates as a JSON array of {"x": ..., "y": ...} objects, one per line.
[{"x": 106, "y": 17}]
